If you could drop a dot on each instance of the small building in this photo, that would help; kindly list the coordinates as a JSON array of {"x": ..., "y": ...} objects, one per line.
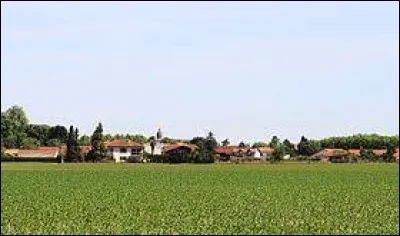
[
  {"x": 179, "y": 148},
  {"x": 12, "y": 152},
  {"x": 124, "y": 149},
  {"x": 45, "y": 152}
]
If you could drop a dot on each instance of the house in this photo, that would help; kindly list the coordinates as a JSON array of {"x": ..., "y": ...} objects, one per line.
[
  {"x": 84, "y": 149},
  {"x": 265, "y": 151},
  {"x": 123, "y": 149},
  {"x": 233, "y": 151},
  {"x": 355, "y": 152},
  {"x": 179, "y": 148},
  {"x": 224, "y": 152},
  {"x": 39, "y": 152},
  {"x": 328, "y": 154},
  {"x": 11, "y": 152}
]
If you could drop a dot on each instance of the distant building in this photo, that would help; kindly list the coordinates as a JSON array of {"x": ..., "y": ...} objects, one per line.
[{"x": 123, "y": 149}]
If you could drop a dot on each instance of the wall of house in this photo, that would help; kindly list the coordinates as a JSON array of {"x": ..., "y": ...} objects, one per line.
[
  {"x": 158, "y": 148},
  {"x": 117, "y": 155},
  {"x": 256, "y": 154}
]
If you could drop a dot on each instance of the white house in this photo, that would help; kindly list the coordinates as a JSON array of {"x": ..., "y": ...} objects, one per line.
[{"x": 123, "y": 149}]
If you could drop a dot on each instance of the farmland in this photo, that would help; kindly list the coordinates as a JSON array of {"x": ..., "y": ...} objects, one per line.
[{"x": 192, "y": 199}]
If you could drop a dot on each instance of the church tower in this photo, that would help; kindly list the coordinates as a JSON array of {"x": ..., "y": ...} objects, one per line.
[{"x": 158, "y": 146}]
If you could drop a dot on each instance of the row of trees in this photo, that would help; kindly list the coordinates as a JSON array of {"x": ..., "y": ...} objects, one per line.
[{"x": 16, "y": 132}]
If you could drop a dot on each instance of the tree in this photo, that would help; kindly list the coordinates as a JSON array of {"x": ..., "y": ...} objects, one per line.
[
  {"x": 206, "y": 146},
  {"x": 73, "y": 150},
  {"x": 367, "y": 155},
  {"x": 84, "y": 140},
  {"x": 107, "y": 137},
  {"x": 168, "y": 140},
  {"x": 388, "y": 156},
  {"x": 278, "y": 153},
  {"x": 225, "y": 143},
  {"x": 98, "y": 151},
  {"x": 259, "y": 144},
  {"x": 58, "y": 132},
  {"x": 14, "y": 124},
  {"x": 55, "y": 142},
  {"x": 30, "y": 143},
  {"x": 308, "y": 147},
  {"x": 138, "y": 138},
  {"x": 152, "y": 144},
  {"x": 242, "y": 144},
  {"x": 289, "y": 147},
  {"x": 274, "y": 142},
  {"x": 39, "y": 132}
]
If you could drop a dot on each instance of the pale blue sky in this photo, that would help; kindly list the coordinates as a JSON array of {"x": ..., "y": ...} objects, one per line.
[{"x": 245, "y": 70}]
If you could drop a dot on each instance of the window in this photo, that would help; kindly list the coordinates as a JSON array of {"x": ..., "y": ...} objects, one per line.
[
  {"x": 135, "y": 151},
  {"x": 110, "y": 149},
  {"x": 123, "y": 150}
]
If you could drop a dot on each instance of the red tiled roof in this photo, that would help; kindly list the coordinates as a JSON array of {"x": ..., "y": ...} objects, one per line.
[
  {"x": 224, "y": 150},
  {"x": 379, "y": 152},
  {"x": 356, "y": 152},
  {"x": 84, "y": 149},
  {"x": 122, "y": 143},
  {"x": 267, "y": 150},
  {"x": 40, "y": 152},
  {"x": 170, "y": 147},
  {"x": 12, "y": 152}
]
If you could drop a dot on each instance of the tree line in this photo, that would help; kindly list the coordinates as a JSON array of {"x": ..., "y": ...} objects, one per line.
[{"x": 17, "y": 132}]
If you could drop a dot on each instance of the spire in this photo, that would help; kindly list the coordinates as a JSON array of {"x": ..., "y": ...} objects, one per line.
[{"x": 159, "y": 134}]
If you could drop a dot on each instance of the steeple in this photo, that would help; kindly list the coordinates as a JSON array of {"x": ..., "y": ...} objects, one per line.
[{"x": 159, "y": 134}]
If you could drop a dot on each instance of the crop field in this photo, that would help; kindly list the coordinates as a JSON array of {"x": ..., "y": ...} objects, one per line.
[{"x": 38, "y": 198}]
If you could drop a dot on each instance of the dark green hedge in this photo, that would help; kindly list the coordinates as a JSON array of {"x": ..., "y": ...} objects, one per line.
[{"x": 29, "y": 159}]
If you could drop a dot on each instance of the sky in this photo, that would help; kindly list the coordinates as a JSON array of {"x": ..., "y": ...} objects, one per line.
[{"x": 243, "y": 70}]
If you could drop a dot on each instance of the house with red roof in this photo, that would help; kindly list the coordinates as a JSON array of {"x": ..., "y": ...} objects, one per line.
[{"x": 124, "y": 149}]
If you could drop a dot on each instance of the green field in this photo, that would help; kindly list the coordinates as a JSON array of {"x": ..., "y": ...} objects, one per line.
[{"x": 192, "y": 199}]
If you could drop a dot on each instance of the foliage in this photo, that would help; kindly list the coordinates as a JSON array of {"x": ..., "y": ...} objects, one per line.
[
  {"x": 368, "y": 155},
  {"x": 278, "y": 153},
  {"x": 225, "y": 143},
  {"x": 14, "y": 124},
  {"x": 367, "y": 141},
  {"x": 274, "y": 142},
  {"x": 54, "y": 142},
  {"x": 9, "y": 158},
  {"x": 168, "y": 140},
  {"x": 138, "y": 138},
  {"x": 308, "y": 147},
  {"x": 287, "y": 199},
  {"x": 58, "y": 132},
  {"x": 39, "y": 132},
  {"x": 243, "y": 145},
  {"x": 30, "y": 143},
  {"x": 73, "y": 149},
  {"x": 98, "y": 151},
  {"x": 84, "y": 140},
  {"x": 289, "y": 148},
  {"x": 260, "y": 144}
]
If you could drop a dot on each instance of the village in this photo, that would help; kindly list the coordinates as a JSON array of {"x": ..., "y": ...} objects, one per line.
[{"x": 125, "y": 150}]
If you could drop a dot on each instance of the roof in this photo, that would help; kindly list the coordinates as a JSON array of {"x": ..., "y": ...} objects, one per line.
[
  {"x": 379, "y": 152},
  {"x": 13, "y": 152},
  {"x": 122, "y": 143},
  {"x": 170, "y": 147},
  {"x": 330, "y": 152},
  {"x": 40, "y": 152},
  {"x": 356, "y": 152},
  {"x": 224, "y": 150},
  {"x": 84, "y": 149},
  {"x": 267, "y": 150}
]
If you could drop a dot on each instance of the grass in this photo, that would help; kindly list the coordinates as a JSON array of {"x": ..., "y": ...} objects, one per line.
[{"x": 38, "y": 198}]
